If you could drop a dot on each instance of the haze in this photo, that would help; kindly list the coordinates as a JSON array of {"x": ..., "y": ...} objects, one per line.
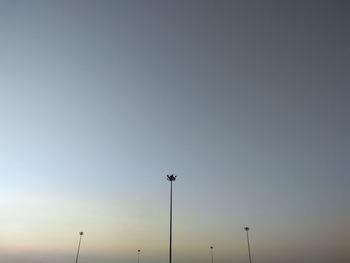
[{"x": 247, "y": 102}]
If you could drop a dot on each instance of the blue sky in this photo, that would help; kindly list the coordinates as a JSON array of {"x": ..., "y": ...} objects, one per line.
[{"x": 246, "y": 101}]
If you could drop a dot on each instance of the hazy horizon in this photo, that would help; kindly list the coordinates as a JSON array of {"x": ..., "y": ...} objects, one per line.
[{"x": 246, "y": 101}]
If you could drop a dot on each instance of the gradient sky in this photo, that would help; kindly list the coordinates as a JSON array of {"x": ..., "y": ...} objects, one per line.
[{"x": 246, "y": 101}]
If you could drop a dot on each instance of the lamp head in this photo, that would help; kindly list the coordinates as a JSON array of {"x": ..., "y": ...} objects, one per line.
[
  {"x": 171, "y": 177},
  {"x": 81, "y": 233},
  {"x": 246, "y": 228}
]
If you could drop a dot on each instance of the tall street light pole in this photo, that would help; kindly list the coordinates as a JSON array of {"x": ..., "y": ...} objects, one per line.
[
  {"x": 171, "y": 178},
  {"x": 250, "y": 258},
  {"x": 212, "y": 254},
  {"x": 138, "y": 255},
  {"x": 80, "y": 234}
]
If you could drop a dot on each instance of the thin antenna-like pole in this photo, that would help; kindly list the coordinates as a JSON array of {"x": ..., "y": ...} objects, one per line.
[
  {"x": 80, "y": 234},
  {"x": 250, "y": 257},
  {"x": 171, "y": 178}
]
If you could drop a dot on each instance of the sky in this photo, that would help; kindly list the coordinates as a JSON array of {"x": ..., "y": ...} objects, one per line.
[{"x": 247, "y": 102}]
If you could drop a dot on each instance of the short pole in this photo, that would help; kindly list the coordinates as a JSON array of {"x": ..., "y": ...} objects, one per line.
[
  {"x": 138, "y": 255},
  {"x": 80, "y": 235},
  {"x": 250, "y": 257}
]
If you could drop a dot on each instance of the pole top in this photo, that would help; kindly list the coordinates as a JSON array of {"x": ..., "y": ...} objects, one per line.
[
  {"x": 211, "y": 247},
  {"x": 246, "y": 228},
  {"x": 81, "y": 233},
  {"x": 138, "y": 250},
  {"x": 171, "y": 177}
]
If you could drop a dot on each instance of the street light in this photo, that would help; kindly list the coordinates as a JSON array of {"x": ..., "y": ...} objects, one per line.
[
  {"x": 212, "y": 255},
  {"x": 80, "y": 234},
  {"x": 171, "y": 178},
  {"x": 250, "y": 258},
  {"x": 138, "y": 255}
]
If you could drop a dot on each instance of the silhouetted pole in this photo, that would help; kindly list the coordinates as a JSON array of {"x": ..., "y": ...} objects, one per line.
[
  {"x": 250, "y": 258},
  {"x": 80, "y": 234},
  {"x": 138, "y": 256},
  {"x": 212, "y": 254},
  {"x": 171, "y": 178}
]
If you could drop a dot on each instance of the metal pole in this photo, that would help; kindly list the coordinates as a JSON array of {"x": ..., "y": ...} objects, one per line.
[
  {"x": 138, "y": 256},
  {"x": 171, "y": 178},
  {"x": 171, "y": 220},
  {"x": 212, "y": 254},
  {"x": 76, "y": 259},
  {"x": 250, "y": 258}
]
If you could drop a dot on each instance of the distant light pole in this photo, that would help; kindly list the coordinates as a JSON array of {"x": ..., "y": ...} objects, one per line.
[
  {"x": 80, "y": 234},
  {"x": 250, "y": 258},
  {"x": 171, "y": 178},
  {"x": 212, "y": 254},
  {"x": 138, "y": 255}
]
